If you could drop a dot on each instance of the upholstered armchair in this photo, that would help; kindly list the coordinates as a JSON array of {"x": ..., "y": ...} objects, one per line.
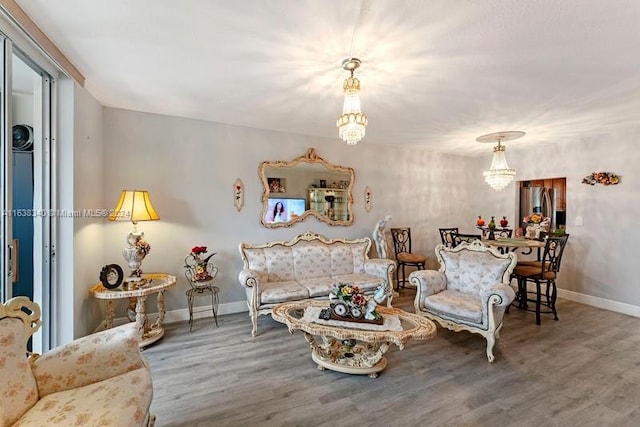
[
  {"x": 97, "y": 380},
  {"x": 469, "y": 292}
]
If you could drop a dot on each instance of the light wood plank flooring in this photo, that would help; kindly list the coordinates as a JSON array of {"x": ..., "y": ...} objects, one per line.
[{"x": 583, "y": 370}]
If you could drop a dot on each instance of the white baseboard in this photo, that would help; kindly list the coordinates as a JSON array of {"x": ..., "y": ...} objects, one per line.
[
  {"x": 619, "y": 307},
  {"x": 205, "y": 311},
  {"x": 183, "y": 314}
]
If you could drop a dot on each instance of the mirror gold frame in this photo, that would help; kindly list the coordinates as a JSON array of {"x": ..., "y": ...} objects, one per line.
[{"x": 312, "y": 159}]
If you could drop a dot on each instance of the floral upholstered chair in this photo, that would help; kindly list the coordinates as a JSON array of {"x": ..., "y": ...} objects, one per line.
[
  {"x": 97, "y": 380},
  {"x": 469, "y": 292}
]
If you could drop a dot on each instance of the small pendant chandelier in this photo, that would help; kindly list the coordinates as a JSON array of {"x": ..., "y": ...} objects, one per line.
[
  {"x": 499, "y": 174},
  {"x": 352, "y": 123}
]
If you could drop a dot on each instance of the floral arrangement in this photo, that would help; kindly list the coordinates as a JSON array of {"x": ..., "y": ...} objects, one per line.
[
  {"x": 350, "y": 294},
  {"x": 199, "y": 270},
  {"x": 604, "y": 178},
  {"x": 198, "y": 250},
  {"x": 534, "y": 218},
  {"x": 142, "y": 246}
]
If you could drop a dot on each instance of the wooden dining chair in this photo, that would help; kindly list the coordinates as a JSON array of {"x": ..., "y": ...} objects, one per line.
[
  {"x": 543, "y": 275},
  {"x": 447, "y": 235},
  {"x": 404, "y": 257}
]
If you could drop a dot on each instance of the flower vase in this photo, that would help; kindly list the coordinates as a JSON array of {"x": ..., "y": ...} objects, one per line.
[{"x": 197, "y": 268}]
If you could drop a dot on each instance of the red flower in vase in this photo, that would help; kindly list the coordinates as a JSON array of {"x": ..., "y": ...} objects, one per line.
[{"x": 197, "y": 250}]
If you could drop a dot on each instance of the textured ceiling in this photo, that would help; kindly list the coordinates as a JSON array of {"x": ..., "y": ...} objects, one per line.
[{"x": 434, "y": 73}]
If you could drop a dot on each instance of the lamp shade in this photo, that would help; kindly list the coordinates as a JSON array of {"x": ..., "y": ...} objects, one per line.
[{"x": 134, "y": 206}]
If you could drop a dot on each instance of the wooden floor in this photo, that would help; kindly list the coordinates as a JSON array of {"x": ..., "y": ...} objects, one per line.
[{"x": 583, "y": 370}]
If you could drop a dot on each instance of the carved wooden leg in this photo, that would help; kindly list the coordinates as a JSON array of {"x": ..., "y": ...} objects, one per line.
[
  {"x": 141, "y": 315},
  {"x": 109, "y": 312},
  {"x": 161, "y": 310},
  {"x": 490, "y": 343},
  {"x": 254, "y": 323}
]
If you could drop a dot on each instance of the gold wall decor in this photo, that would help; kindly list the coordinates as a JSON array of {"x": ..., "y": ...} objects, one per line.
[{"x": 314, "y": 187}]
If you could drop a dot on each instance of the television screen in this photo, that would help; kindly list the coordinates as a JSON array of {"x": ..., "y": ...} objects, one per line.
[{"x": 283, "y": 210}]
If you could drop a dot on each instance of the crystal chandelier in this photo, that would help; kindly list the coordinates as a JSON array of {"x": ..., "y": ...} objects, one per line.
[
  {"x": 352, "y": 123},
  {"x": 499, "y": 174}
]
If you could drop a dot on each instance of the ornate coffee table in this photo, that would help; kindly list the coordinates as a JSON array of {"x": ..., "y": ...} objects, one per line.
[{"x": 345, "y": 346}]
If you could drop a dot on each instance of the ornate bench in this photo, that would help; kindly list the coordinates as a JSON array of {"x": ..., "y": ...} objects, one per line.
[{"x": 307, "y": 267}]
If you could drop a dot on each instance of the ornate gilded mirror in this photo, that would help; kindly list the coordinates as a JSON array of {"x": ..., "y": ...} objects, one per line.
[{"x": 306, "y": 186}]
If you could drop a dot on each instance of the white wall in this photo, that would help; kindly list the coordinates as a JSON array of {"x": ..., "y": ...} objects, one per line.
[
  {"x": 88, "y": 196},
  {"x": 80, "y": 248},
  {"x": 598, "y": 266},
  {"x": 189, "y": 168}
]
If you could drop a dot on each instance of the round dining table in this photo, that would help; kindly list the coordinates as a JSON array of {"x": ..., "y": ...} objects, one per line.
[{"x": 505, "y": 244}]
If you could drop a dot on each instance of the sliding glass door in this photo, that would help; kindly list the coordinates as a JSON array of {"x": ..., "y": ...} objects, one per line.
[{"x": 27, "y": 225}]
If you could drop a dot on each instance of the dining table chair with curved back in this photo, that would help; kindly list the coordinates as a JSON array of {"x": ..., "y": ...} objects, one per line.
[
  {"x": 543, "y": 275},
  {"x": 404, "y": 256}
]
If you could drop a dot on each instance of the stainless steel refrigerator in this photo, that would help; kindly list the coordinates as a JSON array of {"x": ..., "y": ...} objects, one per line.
[{"x": 538, "y": 200}]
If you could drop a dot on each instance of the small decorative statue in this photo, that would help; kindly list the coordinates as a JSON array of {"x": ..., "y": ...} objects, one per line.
[
  {"x": 378, "y": 297},
  {"x": 379, "y": 237}
]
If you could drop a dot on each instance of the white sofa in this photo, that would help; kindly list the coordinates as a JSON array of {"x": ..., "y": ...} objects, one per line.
[
  {"x": 307, "y": 267},
  {"x": 97, "y": 380},
  {"x": 469, "y": 292}
]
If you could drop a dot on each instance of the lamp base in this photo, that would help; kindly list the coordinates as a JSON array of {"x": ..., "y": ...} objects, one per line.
[{"x": 134, "y": 254}]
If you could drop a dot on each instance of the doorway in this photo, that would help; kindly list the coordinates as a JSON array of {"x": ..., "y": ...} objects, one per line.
[
  {"x": 547, "y": 197},
  {"x": 26, "y": 174}
]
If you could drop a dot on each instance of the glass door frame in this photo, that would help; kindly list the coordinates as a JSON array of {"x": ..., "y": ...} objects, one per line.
[{"x": 44, "y": 179}]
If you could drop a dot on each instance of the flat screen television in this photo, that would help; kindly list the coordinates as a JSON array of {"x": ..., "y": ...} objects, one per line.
[{"x": 281, "y": 209}]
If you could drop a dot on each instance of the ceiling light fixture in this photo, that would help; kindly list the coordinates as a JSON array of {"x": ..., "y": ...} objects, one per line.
[
  {"x": 352, "y": 123},
  {"x": 499, "y": 174}
]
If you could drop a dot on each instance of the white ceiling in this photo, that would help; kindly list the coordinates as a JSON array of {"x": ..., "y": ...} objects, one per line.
[{"x": 434, "y": 73}]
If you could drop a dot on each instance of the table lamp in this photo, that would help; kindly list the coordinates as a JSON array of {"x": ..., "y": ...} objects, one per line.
[{"x": 134, "y": 206}]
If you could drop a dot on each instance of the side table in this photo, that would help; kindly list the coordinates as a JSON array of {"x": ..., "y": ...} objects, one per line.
[
  {"x": 201, "y": 289},
  {"x": 152, "y": 283}
]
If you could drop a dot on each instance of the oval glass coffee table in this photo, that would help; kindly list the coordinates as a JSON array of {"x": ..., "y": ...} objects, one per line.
[{"x": 351, "y": 347}]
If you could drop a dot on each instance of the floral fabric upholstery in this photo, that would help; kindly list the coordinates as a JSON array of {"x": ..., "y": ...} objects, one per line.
[
  {"x": 472, "y": 272},
  {"x": 256, "y": 260},
  {"x": 318, "y": 286},
  {"x": 456, "y": 304},
  {"x": 431, "y": 282},
  {"x": 123, "y": 400},
  {"x": 279, "y": 264},
  {"x": 88, "y": 360},
  {"x": 272, "y": 292},
  {"x": 311, "y": 260},
  {"x": 97, "y": 380},
  {"x": 18, "y": 390}
]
